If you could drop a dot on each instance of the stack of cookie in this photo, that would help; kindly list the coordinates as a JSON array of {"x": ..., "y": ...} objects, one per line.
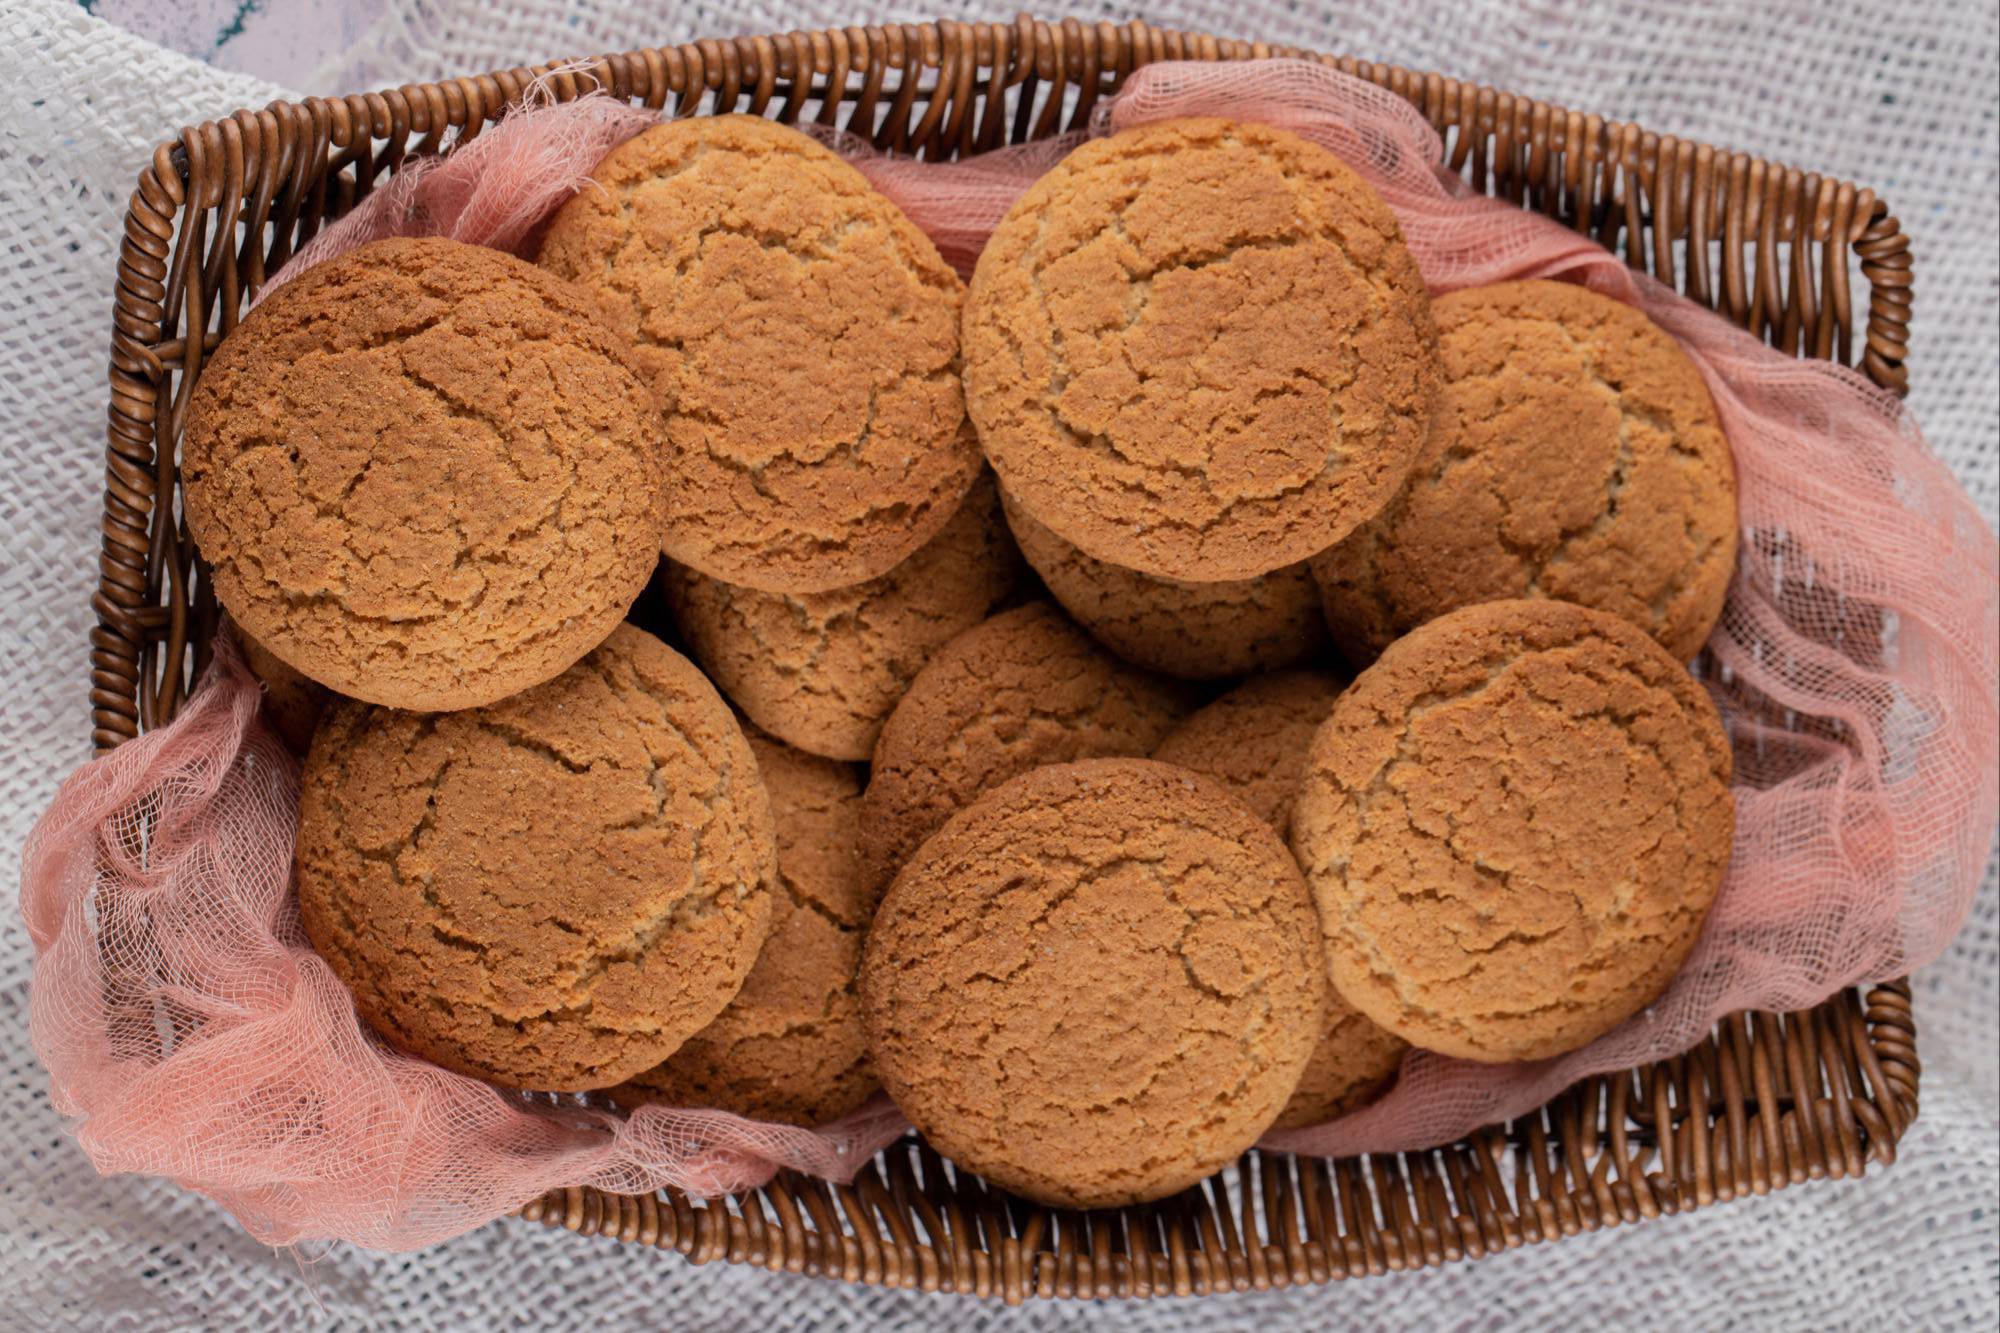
[{"x": 1095, "y": 859}]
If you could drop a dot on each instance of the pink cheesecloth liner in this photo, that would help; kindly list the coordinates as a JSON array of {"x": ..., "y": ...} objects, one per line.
[{"x": 192, "y": 1033}]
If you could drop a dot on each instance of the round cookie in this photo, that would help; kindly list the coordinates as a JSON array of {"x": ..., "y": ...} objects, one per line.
[
  {"x": 1514, "y": 824},
  {"x": 1023, "y": 689},
  {"x": 1253, "y": 742},
  {"x": 790, "y": 1047},
  {"x": 1353, "y": 1062},
  {"x": 424, "y": 475},
  {"x": 1198, "y": 631},
  {"x": 1199, "y": 349},
  {"x": 551, "y": 892},
  {"x": 1002, "y": 978},
  {"x": 293, "y": 703},
  {"x": 822, "y": 670},
  {"x": 1576, "y": 454},
  {"x": 802, "y": 336}
]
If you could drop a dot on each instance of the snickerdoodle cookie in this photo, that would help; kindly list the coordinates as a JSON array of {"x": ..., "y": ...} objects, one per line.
[
  {"x": 1023, "y": 689},
  {"x": 821, "y": 670},
  {"x": 424, "y": 474},
  {"x": 293, "y": 703},
  {"x": 1199, "y": 349},
  {"x": 552, "y": 892},
  {"x": 1199, "y": 631},
  {"x": 1096, "y": 985},
  {"x": 1576, "y": 454},
  {"x": 1514, "y": 824},
  {"x": 790, "y": 1046},
  {"x": 1253, "y": 742},
  {"x": 802, "y": 337}
]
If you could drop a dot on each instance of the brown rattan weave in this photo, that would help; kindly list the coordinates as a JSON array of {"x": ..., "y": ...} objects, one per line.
[{"x": 1766, "y": 1102}]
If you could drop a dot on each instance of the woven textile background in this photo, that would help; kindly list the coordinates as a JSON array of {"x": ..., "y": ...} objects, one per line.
[{"x": 1900, "y": 95}]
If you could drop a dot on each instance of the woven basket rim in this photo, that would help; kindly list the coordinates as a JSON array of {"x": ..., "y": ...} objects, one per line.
[{"x": 1766, "y": 1101}]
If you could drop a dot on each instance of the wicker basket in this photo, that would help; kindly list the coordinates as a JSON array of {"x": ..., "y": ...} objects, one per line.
[{"x": 1767, "y": 1101}]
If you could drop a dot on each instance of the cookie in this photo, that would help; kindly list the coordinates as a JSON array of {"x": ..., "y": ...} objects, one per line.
[
  {"x": 293, "y": 703},
  {"x": 1095, "y": 986},
  {"x": 1576, "y": 454},
  {"x": 424, "y": 475},
  {"x": 1198, "y": 631},
  {"x": 1253, "y": 740},
  {"x": 790, "y": 1046},
  {"x": 1514, "y": 824},
  {"x": 822, "y": 670},
  {"x": 801, "y": 334},
  {"x": 1352, "y": 1063},
  {"x": 1023, "y": 689},
  {"x": 1199, "y": 349},
  {"x": 1253, "y": 743},
  {"x": 551, "y": 892}
]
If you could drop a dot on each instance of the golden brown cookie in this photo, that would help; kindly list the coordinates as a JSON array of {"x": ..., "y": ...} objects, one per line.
[
  {"x": 1514, "y": 824},
  {"x": 1576, "y": 454},
  {"x": 1199, "y": 349},
  {"x": 424, "y": 474},
  {"x": 790, "y": 1046},
  {"x": 1097, "y": 985},
  {"x": 293, "y": 703},
  {"x": 551, "y": 892},
  {"x": 801, "y": 334},
  {"x": 1253, "y": 742},
  {"x": 1352, "y": 1064},
  {"x": 1198, "y": 631},
  {"x": 821, "y": 670},
  {"x": 1023, "y": 689}
]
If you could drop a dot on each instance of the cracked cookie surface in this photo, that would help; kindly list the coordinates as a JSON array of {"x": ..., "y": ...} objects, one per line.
[
  {"x": 802, "y": 337},
  {"x": 424, "y": 474},
  {"x": 1199, "y": 349},
  {"x": 1020, "y": 690},
  {"x": 1353, "y": 1062},
  {"x": 1096, "y": 985},
  {"x": 822, "y": 670},
  {"x": 1197, "y": 631},
  {"x": 1514, "y": 824},
  {"x": 1576, "y": 455},
  {"x": 552, "y": 892},
  {"x": 1253, "y": 742},
  {"x": 790, "y": 1047}
]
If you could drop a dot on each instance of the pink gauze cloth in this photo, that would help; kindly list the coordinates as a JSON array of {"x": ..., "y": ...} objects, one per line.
[
  {"x": 497, "y": 189},
  {"x": 194, "y": 1034}
]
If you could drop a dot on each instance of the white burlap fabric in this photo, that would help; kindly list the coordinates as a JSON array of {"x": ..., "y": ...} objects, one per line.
[{"x": 1898, "y": 96}]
